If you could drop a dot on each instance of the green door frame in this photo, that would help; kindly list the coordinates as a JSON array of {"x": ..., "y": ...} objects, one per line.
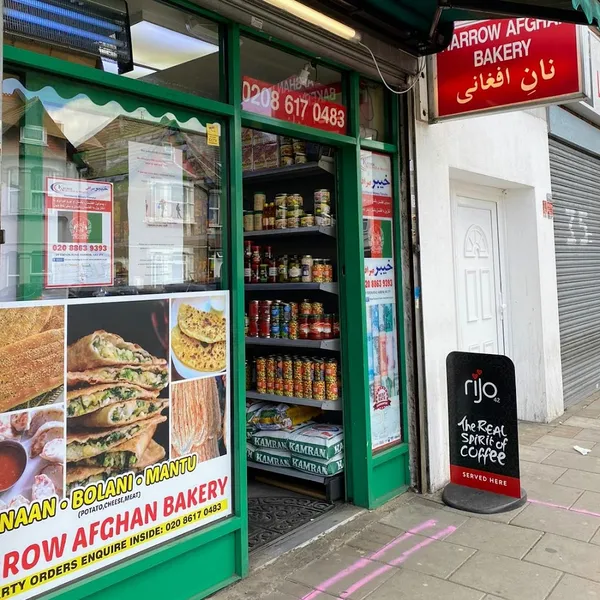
[{"x": 371, "y": 479}]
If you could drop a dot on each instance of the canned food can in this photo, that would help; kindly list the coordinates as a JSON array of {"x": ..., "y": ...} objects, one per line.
[
  {"x": 305, "y": 308},
  {"x": 298, "y": 200},
  {"x": 303, "y": 328},
  {"x": 275, "y": 330},
  {"x": 319, "y": 370},
  {"x": 270, "y": 386},
  {"x": 278, "y": 386},
  {"x": 336, "y": 327},
  {"x": 322, "y": 196},
  {"x": 307, "y": 369},
  {"x": 298, "y": 368},
  {"x": 326, "y": 327},
  {"x": 246, "y": 325},
  {"x": 293, "y": 223},
  {"x": 315, "y": 328},
  {"x": 261, "y": 367},
  {"x": 316, "y": 308},
  {"x": 264, "y": 308},
  {"x": 253, "y": 327},
  {"x": 270, "y": 365},
  {"x": 275, "y": 310},
  {"x": 280, "y": 223},
  {"x": 294, "y": 201},
  {"x": 286, "y": 150},
  {"x": 288, "y": 388},
  {"x": 318, "y": 270},
  {"x": 282, "y": 269},
  {"x": 293, "y": 329},
  {"x": 307, "y": 391},
  {"x": 263, "y": 273},
  {"x": 299, "y": 146},
  {"x": 261, "y": 386},
  {"x": 264, "y": 328},
  {"x": 331, "y": 390},
  {"x": 319, "y": 390},
  {"x": 288, "y": 367},
  {"x": 287, "y": 161},
  {"x": 307, "y": 221},
  {"x": 300, "y": 159},
  {"x": 294, "y": 309},
  {"x": 253, "y": 308},
  {"x": 286, "y": 311},
  {"x": 248, "y": 376},
  {"x": 327, "y": 271},
  {"x": 331, "y": 370},
  {"x": 284, "y": 330},
  {"x": 249, "y": 221},
  {"x": 306, "y": 274},
  {"x": 259, "y": 201},
  {"x": 281, "y": 214},
  {"x": 280, "y": 200},
  {"x": 298, "y": 389}
]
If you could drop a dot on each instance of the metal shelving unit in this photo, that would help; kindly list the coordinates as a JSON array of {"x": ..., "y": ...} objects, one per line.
[
  {"x": 322, "y": 404},
  {"x": 330, "y": 288}
]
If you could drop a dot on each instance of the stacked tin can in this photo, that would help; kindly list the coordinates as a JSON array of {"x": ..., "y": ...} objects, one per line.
[
  {"x": 273, "y": 319},
  {"x": 322, "y": 207}
]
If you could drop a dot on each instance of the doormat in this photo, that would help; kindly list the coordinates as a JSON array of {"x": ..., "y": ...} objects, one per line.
[{"x": 272, "y": 517}]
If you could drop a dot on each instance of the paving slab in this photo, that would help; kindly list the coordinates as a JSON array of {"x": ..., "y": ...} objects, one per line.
[
  {"x": 527, "y": 439},
  {"x": 583, "y": 423},
  {"x": 291, "y": 589},
  {"x": 417, "y": 512},
  {"x": 554, "y": 442},
  {"x": 575, "y": 588},
  {"x": 374, "y": 537},
  {"x": 541, "y": 472},
  {"x": 567, "y": 430},
  {"x": 589, "y": 501},
  {"x": 550, "y": 492},
  {"x": 507, "y": 577},
  {"x": 409, "y": 585},
  {"x": 504, "y": 539},
  {"x": 315, "y": 573},
  {"x": 505, "y": 517},
  {"x": 568, "y": 555},
  {"x": 534, "y": 454},
  {"x": 490, "y": 597},
  {"x": 534, "y": 428},
  {"x": 587, "y": 435},
  {"x": 573, "y": 460},
  {"x": 558, "y": 521},
  {"x": 581, "y": 480}
]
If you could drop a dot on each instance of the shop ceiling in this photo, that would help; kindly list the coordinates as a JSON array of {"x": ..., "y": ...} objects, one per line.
[{"x": 425, "y": 26}]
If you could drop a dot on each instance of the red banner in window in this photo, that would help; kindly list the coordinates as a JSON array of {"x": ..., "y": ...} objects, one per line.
[{"x": 296, "y": 107}]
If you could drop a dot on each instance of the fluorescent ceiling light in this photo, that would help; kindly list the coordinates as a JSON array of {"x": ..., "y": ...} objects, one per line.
[
  {"x": 316, "y": 18},
  {"x": 160, "y": 48}
]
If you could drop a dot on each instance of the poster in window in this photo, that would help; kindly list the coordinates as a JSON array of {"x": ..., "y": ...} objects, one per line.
[
  {"x": 79, "y": 233},
  {"x": 157, "y": 212},
  {"x": 129, "y": 457},
  {"x": 380, "y": 289}
]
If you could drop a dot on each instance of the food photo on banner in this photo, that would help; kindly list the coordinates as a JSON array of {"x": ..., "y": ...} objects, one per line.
[
  {"x": 127, "y": 458},
  {"x": 32, "y": 422},
  {"x": 118, "y": 396}
]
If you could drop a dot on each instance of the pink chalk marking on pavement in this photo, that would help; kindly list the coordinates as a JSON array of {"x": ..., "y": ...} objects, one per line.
[
  {"x": 363, "y": 562},
  {"x": 396, "y": 562},
  {"x": 569, "y": 508}
]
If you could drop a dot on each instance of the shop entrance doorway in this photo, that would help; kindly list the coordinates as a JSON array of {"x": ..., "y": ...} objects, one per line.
[
  {"x": 478, "y": 285},
  {"x": 294, "y": 411}
]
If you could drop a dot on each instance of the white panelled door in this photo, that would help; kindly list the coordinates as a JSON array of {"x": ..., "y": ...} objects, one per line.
[{"x": 477, "y": 276}]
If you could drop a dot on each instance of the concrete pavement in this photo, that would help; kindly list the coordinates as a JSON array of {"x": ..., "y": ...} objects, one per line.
[{"x": 417, "y": 548}]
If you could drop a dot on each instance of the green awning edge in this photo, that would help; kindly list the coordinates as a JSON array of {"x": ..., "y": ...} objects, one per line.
[{"x": 591, "y": 9}]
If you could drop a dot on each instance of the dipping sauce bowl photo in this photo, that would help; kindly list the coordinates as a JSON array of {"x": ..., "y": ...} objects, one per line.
[{"x": 13, "y": 462}]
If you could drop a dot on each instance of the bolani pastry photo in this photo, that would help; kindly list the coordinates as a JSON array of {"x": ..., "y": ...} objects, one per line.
[
  {"x": 199, "y": 340},
  {"x": 113, "y": 408}
]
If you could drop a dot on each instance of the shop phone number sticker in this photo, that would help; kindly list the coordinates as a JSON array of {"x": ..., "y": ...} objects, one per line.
[{"x": 296, "y": 107}]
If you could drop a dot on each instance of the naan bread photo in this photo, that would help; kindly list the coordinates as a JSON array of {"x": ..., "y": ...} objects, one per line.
[
  {"x": 200, "y": 356},
  {"x": 209, "y": 327}
]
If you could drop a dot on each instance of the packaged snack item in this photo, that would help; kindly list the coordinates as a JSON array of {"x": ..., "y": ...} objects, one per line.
[
  {"x": 283, "y": 416},
  {"x": 250, "y": 450},
  {"x": 319, "y": 466},
  {"x": 318, "y": 440},
  {"x": 276, "y": 440}
]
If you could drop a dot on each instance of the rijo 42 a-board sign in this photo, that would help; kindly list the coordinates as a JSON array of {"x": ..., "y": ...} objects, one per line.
[{"x": 499, "y": 64}]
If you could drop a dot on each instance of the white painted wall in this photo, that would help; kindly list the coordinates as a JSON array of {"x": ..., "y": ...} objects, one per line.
[{"x": 508, "y": 152}]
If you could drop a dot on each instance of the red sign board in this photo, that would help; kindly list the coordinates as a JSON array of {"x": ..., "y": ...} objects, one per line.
[
  {"x": 306, "y": 108},
  {"x": 501, "y": 63}
]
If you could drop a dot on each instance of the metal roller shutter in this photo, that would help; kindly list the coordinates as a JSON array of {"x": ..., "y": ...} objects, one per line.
[{"x": 576, "y": 197}]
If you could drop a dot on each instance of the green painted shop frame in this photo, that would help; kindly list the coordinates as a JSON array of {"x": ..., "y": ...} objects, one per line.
[{"x": 200, "y": 563}]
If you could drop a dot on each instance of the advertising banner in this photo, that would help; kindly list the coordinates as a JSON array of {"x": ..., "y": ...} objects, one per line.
[
  {"x": 505, "y": 63},
  {"x": 307, "y": 107},
  {"x": 156, "y": 211},
  {"x": 482, "y": 419},
  {"x": 380, "y": 288},
  {"x": 114, "y": 431},
  {"x": 79, "y": 233}
]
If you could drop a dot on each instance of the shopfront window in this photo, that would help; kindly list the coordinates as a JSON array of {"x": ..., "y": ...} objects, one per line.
[
  {"x": 138, "y": 39},
  {"x": 374, "y": 118},
  {"x": 105, "y": 196},
  {"x": 291, "y": 88}
]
